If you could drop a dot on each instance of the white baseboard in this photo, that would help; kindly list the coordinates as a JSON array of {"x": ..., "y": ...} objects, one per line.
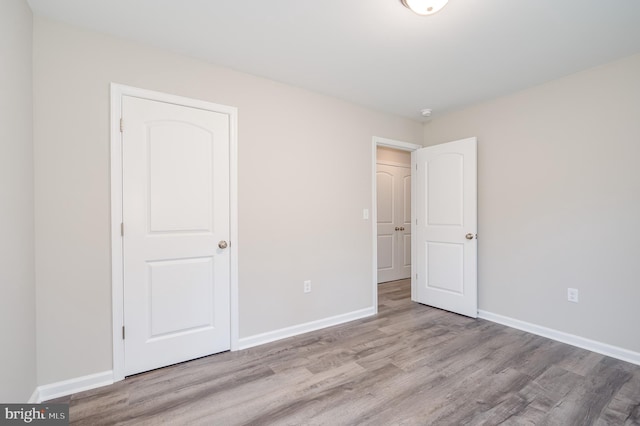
[
  {"x": 560, "y": 336},
  {"x": 68, "y": 387},
  {"x": 283, "y": 333},
  {"x": 35, "y": 397}
]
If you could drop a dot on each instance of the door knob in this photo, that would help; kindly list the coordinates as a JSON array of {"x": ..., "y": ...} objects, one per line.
[
  {"x": 223, "y": 244},
  {"x": 397, "y": 229},
  {"x": 402, "y": 228},
  {"x": 469, "y": 236}
]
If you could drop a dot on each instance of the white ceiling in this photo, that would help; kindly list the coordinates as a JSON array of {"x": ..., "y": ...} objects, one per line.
[{"x": 376, "y": 52}]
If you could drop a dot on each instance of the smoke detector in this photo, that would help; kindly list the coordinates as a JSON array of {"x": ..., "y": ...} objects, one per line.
[{"x": 425, "y": 112}]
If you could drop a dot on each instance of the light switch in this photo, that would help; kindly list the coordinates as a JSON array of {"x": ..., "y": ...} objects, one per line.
[{"x": 365, "y": 214}]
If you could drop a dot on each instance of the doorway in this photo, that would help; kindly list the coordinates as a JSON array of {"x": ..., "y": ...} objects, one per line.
[
  {"x": 397, "y": 151},
  {"x": 444, "y": 196},
  {"x": 393, "y": 180},
  {"x": 174, "y": 229}
]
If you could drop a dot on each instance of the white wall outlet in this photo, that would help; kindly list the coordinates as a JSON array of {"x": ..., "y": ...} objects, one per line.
[
  {"x": 365, "y": 214},
  {"x": 572, "y": 295},
  {"x": 307, "y": 286}
]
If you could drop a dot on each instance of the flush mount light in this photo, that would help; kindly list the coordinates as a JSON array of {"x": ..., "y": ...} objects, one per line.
[{"x": 424, "y": 7}]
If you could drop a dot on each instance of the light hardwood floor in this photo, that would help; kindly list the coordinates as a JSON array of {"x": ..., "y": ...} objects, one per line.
[{"x": 408, "y": 365}]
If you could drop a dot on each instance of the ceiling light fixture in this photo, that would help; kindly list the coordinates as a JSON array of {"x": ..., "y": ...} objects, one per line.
[{"x": 424, "y": 7}]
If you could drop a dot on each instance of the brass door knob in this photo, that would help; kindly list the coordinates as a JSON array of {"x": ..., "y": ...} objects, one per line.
[
  {"x": 402, "y": 228},
  {"x": 223, "y": 244},
  {"x": 397, "y": 229},
  {"x": 469, "y": 236}
]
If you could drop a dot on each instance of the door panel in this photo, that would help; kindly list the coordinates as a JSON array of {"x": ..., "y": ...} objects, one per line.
[
  {"x": 175, "y": 211},
  {"x": 386, "y": 197},
  {"x": 406, "y": 233},
  {"x": 444, "y": 271},
  {"x": 407, "y": 252},
  {"x": 385, "y": 252},
  {"x": 394, "y": 222},
  {"x": 444, "y": 190},
  {"x": 406, "y": 186},
  {"x": 446, "y": 215},
  {"x": 180, "y": 181},
  {"x": 191, "y": 297}
]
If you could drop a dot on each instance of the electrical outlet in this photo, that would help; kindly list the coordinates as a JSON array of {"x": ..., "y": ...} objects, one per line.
[
  {"x": 307, "y": 286},
  {"x": 572, "y": 295}
]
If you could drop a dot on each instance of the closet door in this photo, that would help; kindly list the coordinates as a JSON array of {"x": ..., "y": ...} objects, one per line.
[{"x": 394, "y": 222}]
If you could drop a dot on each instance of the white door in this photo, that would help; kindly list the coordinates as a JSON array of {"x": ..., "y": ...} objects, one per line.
[
  {"x": 394, "y": 222},
  {"x": 175, "y": 213},
  {"x": 445, "y": 232}
]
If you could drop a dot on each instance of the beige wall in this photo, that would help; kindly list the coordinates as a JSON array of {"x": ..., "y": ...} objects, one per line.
[
  {"x": 393, "y": 155},
  {"x": 17, "y": 281},
  {"x": 304, "y": 178},
  {"x": 559, "y": 201}
]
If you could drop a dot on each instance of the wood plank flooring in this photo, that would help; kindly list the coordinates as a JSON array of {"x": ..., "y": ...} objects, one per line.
[{"x": 409, "y": 365}]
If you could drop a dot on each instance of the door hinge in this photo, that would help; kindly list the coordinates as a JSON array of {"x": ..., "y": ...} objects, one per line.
[
  {"x": 416, "y": 277},
  {"x": 416, "y": 166},
  {"x": 416, "y": 221},
  {"x": 121, "y": 125},
  {"x": 122, "y": 229},
  {"x": 123, "y": 332}
]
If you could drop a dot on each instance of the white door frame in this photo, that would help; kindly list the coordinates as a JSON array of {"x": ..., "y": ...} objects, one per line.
[
  {"x": 117, "y": 268},
  {"x": 403, "y": 146}
]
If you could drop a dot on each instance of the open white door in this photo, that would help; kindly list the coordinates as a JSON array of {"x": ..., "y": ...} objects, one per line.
[{"x": 445, "y": 227}]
